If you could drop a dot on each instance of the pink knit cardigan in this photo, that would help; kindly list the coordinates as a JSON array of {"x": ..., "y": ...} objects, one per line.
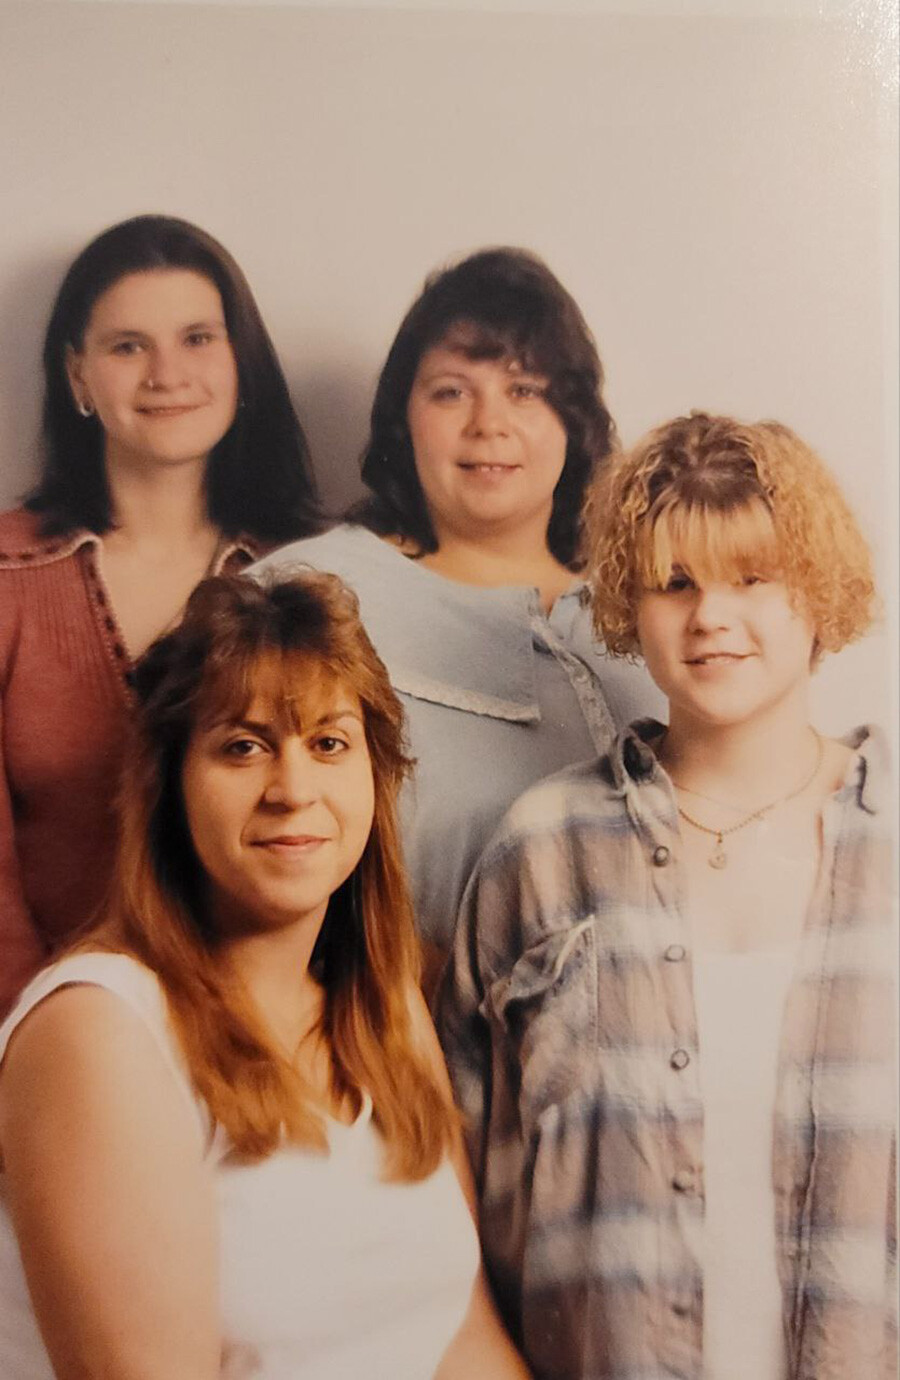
[{"x": 65, "y": 699}]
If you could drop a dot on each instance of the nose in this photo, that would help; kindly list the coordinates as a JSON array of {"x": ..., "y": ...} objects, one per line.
[
  {"x": 711, "y": 609},
  {"x": 487, "y": 414},
  {"x": 291, "y": 780},
  {"x": 165, "y": 368}
]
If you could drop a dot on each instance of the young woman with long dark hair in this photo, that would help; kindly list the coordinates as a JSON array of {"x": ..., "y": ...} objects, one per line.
[{"x": 171, "y": 450}]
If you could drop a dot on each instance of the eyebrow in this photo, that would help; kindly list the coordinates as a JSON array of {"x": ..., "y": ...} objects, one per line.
[
  {"x": 513, "y": 368},
  {"x": 262, "y": 728},
  {"x": 448, "y": 373},
  {"x": 123, "y": 332}
]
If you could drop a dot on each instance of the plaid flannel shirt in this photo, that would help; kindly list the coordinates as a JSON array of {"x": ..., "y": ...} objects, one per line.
[{"x": 568, "y": 1021}]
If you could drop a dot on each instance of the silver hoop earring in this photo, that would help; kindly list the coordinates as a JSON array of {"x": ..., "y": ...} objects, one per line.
[{"x": 85, "y": 409}]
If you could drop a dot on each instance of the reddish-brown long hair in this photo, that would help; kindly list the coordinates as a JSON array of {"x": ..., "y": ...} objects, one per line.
[{"x": 234, "y": 631}]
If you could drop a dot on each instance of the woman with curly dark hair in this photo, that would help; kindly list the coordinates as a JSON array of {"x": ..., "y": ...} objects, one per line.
[{"x": 487, "y": 424}]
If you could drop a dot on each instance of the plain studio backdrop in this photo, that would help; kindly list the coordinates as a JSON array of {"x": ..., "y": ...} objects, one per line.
[{"x": 716, "y": 183}]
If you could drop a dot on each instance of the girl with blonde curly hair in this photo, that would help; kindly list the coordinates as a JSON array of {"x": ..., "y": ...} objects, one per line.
[{"x": 670, "y": 1002}]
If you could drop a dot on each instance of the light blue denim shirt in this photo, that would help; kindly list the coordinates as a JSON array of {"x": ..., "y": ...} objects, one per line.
[{"x": 497, "y": 693}]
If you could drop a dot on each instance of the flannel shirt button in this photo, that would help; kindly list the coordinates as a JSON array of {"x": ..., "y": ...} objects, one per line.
[
  {"x": 683, "y": 1180},
  {"x": 679, "y": 1059},
  {"x": 681, "y": 1307},
  {"x": 661, "y": 856},
  {"x": 675, "y": 953}
]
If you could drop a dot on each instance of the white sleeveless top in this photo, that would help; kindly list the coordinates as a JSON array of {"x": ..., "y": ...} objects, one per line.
[
  {"x": 740, "y": 1001},
  {"x": 327, "y": 1272}
]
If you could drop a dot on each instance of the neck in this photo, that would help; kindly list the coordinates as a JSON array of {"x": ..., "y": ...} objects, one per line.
[
  {"x": 519, "y": 557},
  {"x": 274, "y": 968},
  {"x": 156, "y": 505},
  {"x": 741, "y": 764}
]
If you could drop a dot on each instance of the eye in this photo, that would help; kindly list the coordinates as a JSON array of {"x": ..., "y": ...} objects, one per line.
[
  {"x": 753, "y": 580},
  {"x": 447, "y": 392},
  {"x": 528, "y": 389},
  {"x": 677, "y": 582},
  {"x": 243, "y": 749},
  {"x": 200, "y": 338},
  {"x": 126, "y": 347},
  {"x": 330, "y": 745}
]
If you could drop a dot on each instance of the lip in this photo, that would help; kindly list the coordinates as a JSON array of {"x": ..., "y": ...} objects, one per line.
[
  {"x": 291, "y": 844},
  {"x": 178, "y": 410},
  {"x": 486, "y": 467},
  {"x": 717, "y": 659}
]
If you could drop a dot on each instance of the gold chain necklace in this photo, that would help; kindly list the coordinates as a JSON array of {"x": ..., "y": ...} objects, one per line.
[{"x": 718, "y": 858}]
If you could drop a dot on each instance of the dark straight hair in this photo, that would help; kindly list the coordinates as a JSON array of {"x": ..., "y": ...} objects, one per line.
[
  {"x": 260, "y": 478},
  {"x": 495, "y": 304}
]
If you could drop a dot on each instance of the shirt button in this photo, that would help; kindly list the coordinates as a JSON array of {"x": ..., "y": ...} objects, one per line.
[
  {"x": 683, "y": 1180},
  {"x": 679, "y": 1059},
  {"x": 675, "y": 953},
  {"x": 681, "y": 1308},
  {"x": 660, "y": 856}
]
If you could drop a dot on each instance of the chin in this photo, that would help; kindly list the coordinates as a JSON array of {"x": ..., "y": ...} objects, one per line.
[{"x": 717, "y": 715}]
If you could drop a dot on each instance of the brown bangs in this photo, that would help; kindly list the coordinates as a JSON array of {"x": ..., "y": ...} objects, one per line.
[
  {"x": 496, "y": 341},
  {"x": 709, "y": 544},
  {"x": 295, "y": 684}
]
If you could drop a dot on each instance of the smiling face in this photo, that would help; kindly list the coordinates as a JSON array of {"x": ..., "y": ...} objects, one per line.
[
  {"x": 157, "y": 366},
  {"x": 279, "y": 803},
  {"x": 489, "y": 448},
  {"x": 725, "y": 653}
]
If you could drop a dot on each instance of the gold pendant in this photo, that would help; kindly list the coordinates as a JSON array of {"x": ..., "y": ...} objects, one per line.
[{"x": 718, "y": 858}]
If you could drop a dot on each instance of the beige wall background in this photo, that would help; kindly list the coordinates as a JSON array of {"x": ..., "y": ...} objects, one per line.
[{"x": 716, "y": 183}]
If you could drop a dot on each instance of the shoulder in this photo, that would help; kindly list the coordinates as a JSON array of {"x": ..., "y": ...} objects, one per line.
[
  {"x": 870, "y": 786},
  {"x": 118, "y": 992},
  {"x": 589, "y": 792},
  {"x": 82, "y": 1075},
  {"x": 19, "y": 530},
  {"x": 134, "y": 985},
  {"x": 347, "y": 550},
  {"x": 393, "y": 605},
  {"x": 23, "y": 546},
  {"x": 568, "y": 837},
  {"x": 870, "y": 743}
]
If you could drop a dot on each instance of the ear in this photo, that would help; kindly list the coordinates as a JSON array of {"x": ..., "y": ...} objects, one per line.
[
  {"x": 817, "y": 651},
  {"x": 73, "y": 366}
]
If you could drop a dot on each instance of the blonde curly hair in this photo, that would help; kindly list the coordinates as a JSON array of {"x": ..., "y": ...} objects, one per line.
[{"x": 724, "y": 499}]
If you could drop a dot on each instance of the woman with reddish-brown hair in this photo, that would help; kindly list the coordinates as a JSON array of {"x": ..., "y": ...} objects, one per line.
[{"x": 228, "y": 1143}]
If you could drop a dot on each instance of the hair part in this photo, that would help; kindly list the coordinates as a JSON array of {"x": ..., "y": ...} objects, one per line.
[
  {"x": 239, "y": 638},
  {"x": 259, "y": 478},
  {"x": 724, "y": 500},
  {"x": 499, "y": 303}
]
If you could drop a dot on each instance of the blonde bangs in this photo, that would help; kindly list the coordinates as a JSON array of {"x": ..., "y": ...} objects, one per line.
[{"x": 710, "y": 544}]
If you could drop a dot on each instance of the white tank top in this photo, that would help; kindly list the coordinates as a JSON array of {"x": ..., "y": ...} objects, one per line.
[
  {"x": 327, "y": 1272},
  {"x": 740, "y": 1004}
]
